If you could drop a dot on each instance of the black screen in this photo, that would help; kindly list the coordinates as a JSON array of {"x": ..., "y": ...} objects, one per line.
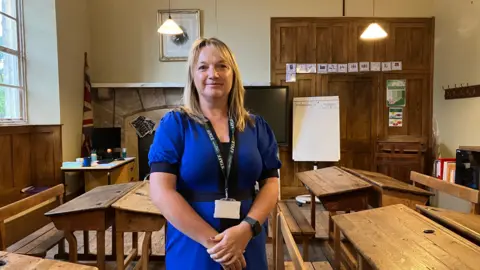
[
  {"x": 104, "y": 138},
  {"x": 270, "y": 102}
]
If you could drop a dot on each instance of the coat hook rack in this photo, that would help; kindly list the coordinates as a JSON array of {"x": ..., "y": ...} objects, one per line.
[{"x": 462, "y": 91}]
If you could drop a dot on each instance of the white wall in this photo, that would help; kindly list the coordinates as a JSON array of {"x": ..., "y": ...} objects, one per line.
[
  {"x": 42, "y": 62},
  {"x": 125, "y": 44},
  {"x": 73, "y": 41},
  {"x": 457, "y": 60}
]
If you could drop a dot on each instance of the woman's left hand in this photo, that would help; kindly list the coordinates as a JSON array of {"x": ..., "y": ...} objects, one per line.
[{"x": 231, "y": 244}]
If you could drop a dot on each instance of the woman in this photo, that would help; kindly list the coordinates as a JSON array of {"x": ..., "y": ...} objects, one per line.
[{"x": 208, "y": 150}]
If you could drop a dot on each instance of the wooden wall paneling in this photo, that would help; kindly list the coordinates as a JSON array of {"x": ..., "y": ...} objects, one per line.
[
  {"x": 42, "y": 158},
  {"x": 360, "y": 50},
  {"x": 6, "y": 164},
  {"x": 409, "y": 42},
  {"x": 22, "y": 163},
  {"x": 416, "y": 123},
  {"x": 292, "y": 43},
  {"x": 30, "y": 155},
  {"x": 357, "y": 118}
]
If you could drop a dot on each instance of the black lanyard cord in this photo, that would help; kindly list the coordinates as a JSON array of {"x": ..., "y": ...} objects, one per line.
[{"x": 225, "y": 170}]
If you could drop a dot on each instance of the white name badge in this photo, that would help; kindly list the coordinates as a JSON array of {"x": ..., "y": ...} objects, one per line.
[{"x": 227, "y": 209}]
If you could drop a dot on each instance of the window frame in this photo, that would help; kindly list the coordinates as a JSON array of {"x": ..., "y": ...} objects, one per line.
[{"x": 21, "y": 54}]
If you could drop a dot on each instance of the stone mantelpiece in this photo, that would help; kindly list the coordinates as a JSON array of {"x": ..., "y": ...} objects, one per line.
[{"x": 118, "y": 107}]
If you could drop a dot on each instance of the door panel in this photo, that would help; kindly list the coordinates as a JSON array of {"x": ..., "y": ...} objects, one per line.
[{"x": 357, "y": 119}]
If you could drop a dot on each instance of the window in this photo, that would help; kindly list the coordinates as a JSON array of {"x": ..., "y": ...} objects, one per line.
[{"x": 12, "y": 62}]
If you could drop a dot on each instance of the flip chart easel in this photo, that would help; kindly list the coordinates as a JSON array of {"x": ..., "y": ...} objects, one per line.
[{"x": 316, "y": 131}]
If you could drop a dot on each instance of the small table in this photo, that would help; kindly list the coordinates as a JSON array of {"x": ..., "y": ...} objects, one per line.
[
  {"x": 338, "y": 190},
  {"x": 115, "y": 172},
  {"x": 90, "y": 211},
  {"x": 398, "y": 237},
  {"x": 16, "y": 261},
  {"x": 390, "y": 191},
  {"x": 467, "y": 225},
  {"x": 136, "y": 213}
]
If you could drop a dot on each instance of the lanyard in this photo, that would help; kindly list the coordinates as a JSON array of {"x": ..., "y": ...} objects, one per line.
[{"x": 225, "y": 170}]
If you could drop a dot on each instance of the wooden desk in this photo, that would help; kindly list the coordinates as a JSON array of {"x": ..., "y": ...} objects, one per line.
[
  {"x": 467, "y": 225},
  {"x": 16, "y": 261},
  {"x": 338, "y": 190},
  {"x": 390, "y": 191},
  {"x": 115, "y": 172},
  {"x": 136, "y": 213},
  {"x": 90, "y": 211},
  {"x": 394, "y": 237}
]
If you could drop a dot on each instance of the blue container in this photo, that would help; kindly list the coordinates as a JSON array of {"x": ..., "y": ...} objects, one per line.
[{"x": 87, "y": 161}]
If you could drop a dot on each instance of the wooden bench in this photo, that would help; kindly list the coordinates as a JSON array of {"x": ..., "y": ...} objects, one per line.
[
  {"x": 461, "y": 192},
  {"x": 283, "y": 234},
  {"x": 27, "y": 217},
  {"x": 298, "y": 224}
]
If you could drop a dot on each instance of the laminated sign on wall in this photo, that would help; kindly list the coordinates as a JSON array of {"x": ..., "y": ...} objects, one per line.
[{"x": 396, "y": 93}]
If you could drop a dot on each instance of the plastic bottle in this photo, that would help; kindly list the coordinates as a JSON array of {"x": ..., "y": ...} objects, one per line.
[{"x": 94, "y": 155}]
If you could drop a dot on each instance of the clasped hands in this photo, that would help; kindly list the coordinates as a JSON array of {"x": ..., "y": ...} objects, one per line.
[{"x": 230, "y": 245}]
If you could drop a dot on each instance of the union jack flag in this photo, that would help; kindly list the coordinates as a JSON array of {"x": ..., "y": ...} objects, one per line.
[{"x": 87, "y": 125}]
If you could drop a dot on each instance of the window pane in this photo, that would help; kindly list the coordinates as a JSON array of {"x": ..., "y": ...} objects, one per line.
[
  {"x": 9, "y": 7},
  {"x": 9, "y": 69},
  {"x": 11, "y": 103},
  {"x": 8, "y": 32}
]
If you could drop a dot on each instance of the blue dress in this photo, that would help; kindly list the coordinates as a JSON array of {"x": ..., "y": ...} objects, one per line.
[{"x": 181, "y": 146}]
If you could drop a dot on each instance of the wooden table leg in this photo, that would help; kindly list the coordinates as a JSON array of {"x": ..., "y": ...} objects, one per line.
[
  {"x": 305, "y": 248},
  {"x": 146, "y": 250},
  {"x": 119, "y": 250},
  {"x": 313, "y": 212},
  {"x": 86, "y": 243},
  {"x": 72, "y": 246},
  {"x": 101, "y": 250},
  {"x": 337, "y": 252}
]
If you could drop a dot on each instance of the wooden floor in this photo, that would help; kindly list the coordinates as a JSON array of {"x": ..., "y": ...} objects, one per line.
[{"x": 315, "y": 250}]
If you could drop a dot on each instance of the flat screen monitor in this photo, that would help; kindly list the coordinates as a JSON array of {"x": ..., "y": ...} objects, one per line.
[
  {"x": 105, "y": 138},
  {"x": 270, "y": 102}
]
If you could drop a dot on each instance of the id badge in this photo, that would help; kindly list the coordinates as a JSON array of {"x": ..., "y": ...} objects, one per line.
[{"x": 227, "y": 209}]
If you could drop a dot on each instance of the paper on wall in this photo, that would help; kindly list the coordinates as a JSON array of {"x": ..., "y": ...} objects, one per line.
[
  {"x": 364, "y": 66},
  {"x": 322, "y": 68},
  {"x": 342, "y": 68},
  {"x": 375, "y": 66},
  {"x": 352, "y": 67}
]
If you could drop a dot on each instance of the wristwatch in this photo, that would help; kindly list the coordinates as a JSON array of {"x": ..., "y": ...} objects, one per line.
[{"x": 254, "y": 225}]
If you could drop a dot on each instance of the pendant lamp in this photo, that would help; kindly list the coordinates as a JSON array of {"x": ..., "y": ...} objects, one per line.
[
  {"x": 169, "y": 27},
  {"x": 374, "y": 30}
]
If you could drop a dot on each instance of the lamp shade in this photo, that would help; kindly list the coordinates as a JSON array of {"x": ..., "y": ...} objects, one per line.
[
  {"x": 169, "y": 27},
  {"x": 373, "y": 31}
]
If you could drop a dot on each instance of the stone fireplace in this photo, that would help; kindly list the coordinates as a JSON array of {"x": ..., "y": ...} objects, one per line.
[{"x": 118, "y": 107}]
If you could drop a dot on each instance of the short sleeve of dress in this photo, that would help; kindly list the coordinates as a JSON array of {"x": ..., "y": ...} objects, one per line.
[
  {"x": 167, "y": 148},
  {"x": 268, "y": 148}
]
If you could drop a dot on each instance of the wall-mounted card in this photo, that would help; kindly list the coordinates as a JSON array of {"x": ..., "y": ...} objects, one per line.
[
  {"x": 375, "y": 66},
  {"x": 311, "y": 68},
  {"x": 364, "y": 66},
  {"x": 322, "y": 68},
  {"x": 291, "y": 77},
  {"x": 343, "y": 68},
  {"x": 302, "y": 68},
  {"x": 352, "y": 67},
  {"x": 386, "y": 66},
  {"x": 397, "y": 65},
  {"x": 291, "y": 68},
  {"x": 332, "y": 68}
]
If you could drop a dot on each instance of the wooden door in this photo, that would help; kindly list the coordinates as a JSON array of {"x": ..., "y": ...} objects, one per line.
[{"x": 357, "y": 96}]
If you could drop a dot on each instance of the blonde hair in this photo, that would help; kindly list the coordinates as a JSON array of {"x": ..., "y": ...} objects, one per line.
[{"x": 191, "y": 103}]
